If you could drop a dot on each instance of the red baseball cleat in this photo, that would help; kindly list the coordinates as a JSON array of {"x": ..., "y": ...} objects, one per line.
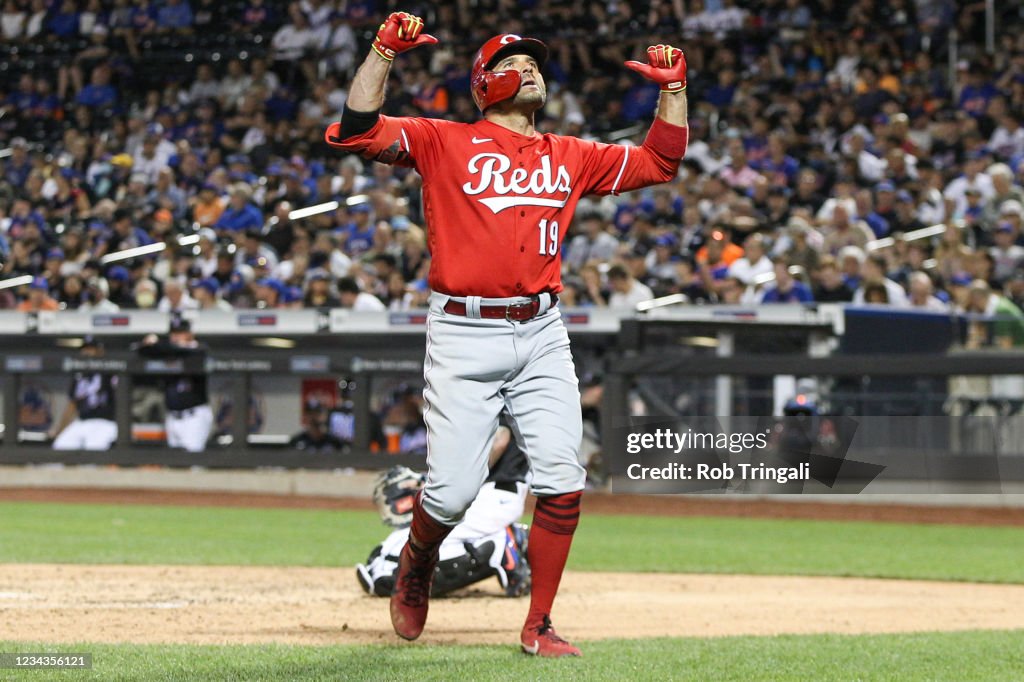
[
  {"x": 541, "y": 640},
  {"x": 409, "y": 601}
]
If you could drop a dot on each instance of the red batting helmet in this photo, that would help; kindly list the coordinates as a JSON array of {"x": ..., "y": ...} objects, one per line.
[{"x": 491, "y": 87}]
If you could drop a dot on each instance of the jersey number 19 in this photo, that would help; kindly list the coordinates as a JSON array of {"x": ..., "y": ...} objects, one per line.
[{"x": 548, "y": 237}]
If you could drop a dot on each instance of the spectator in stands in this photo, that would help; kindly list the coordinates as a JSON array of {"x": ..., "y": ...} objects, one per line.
[
  {"x": 319, "y": 292},
  {"x": 1006, "y": 253},
  {"x": 37, "y": 15},
  {"x": 176, "y": 298},
  {"x": 1007, "y": 320},
  {"x": 207, "y": 207},
  {"x": 12, "y": 22},
  {"x": 626, "y": 291},
  {"x": 829, "y": 285},
  {"x": 145, "y": 294},
  {"x": 785, "y": 288},
  {"x": 905, "y": 218},
  {"x": 269, "y": 293},
  {"x": 353, "y": 297},
  {"x": 336, "y": 43},
  {"x": 842, "y": 231},
  {"x": 738, "y": 174},
  {"x": 206, "y": 294},
  {"x": 292, "y": 43},
  {"x": 253, "y": 249},
  {"x": 174, "y": 15},
  {"x": 153, "y": 154},
  {"x": 719, "y": 251},
  {"x": 97, "y": 299},
  {"x": 357, "y": 234},
  {"x": 119, "y": 287},
  {"x": 921, "y": 293},
  {"x": 241, "y": 214},
  {"x": 873, "y": 271},
  {"x": 593, "y": 244},
  {"x": 71, "y": 293},
  {"x": 99, "y": 93},
  {"x": 38, "y": 297},
  {"x": 124, "y": 235},
  {"x": 63, "y": 22},
  {"x": 973, "y": 178},
  {"x": 754, "y": 263},
  {"x": 731, "y": 291},
  {"x": 874, "y": 293},
  {"x": 206, "y": 85}
]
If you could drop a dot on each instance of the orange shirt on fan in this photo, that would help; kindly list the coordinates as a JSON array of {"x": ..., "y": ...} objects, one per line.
[
  {"x": 47, "y": 305},
  {"x": 206, "y": 214},
  {"x": 730, "y": 253}
]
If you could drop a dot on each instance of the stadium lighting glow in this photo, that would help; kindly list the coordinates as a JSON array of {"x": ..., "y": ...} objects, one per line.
[
  {"x": 672, "y": 299},
  {"x": 923, "y": 233},
  {"x": 132, "y": 253},
  {"x": 699, "y": 341},
  {"x": 15, "y": 281},
  {"x": 313, "y": 210},
  {"x": 274, "y": 342}
]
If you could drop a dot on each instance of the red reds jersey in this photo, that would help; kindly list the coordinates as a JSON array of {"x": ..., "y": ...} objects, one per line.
[{"x": 498, "y": 204}]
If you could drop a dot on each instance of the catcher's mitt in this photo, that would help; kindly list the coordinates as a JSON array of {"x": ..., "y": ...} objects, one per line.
[{"x": 394, "y": 494}]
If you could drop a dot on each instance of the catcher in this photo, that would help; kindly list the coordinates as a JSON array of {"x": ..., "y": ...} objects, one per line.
[{"x": 488, "y": 542}]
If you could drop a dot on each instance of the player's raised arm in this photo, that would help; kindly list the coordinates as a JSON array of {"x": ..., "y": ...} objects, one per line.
[
  {"x": 360, "y": 128},
  {"x": 614, "y": 168},
  {"x": 400, "y": 32},
  {"x": 666, "y": 66}
]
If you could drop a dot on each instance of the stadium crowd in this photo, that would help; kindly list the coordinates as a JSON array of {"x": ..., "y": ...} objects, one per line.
[{"x": 825, "y": 139}]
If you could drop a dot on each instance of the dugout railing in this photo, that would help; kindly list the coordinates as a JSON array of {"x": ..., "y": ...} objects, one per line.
[{"x": 712, "y": 361}]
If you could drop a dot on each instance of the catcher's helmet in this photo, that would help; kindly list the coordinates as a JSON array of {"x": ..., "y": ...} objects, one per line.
[
  {"x": 489, "y": 87},
  {"x": 394, "y": 494}
]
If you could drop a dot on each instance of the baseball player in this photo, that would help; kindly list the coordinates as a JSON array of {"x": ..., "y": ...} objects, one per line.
[
  {"x": 189, "y": 417},
  {"x": 498, "y": 198},
  {"x": 487, "y": 542},
  {"x": 88, "y": 421}
]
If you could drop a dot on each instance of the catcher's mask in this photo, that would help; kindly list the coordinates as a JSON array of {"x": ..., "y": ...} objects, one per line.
[{"x": 394, "y": 494}]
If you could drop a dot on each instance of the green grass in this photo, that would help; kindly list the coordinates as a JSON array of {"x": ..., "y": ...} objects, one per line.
[
  {"x": 960, "y": 657},
  {"x": 31, "y": 532}
]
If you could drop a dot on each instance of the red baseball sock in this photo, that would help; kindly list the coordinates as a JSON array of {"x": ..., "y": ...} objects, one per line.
[
  {"x": 554, "y": 522},
  {"x": 426, "y": 533}
]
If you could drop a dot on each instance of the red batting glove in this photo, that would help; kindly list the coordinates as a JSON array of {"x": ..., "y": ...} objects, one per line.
[
  {"x": 666, "y": 66},
  {"x": 401, "y": 31}
]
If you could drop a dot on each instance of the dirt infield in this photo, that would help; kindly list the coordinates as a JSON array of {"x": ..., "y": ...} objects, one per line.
[
  {"x": 215, "y": 605},
  {"x": 599, "y": 503}
]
